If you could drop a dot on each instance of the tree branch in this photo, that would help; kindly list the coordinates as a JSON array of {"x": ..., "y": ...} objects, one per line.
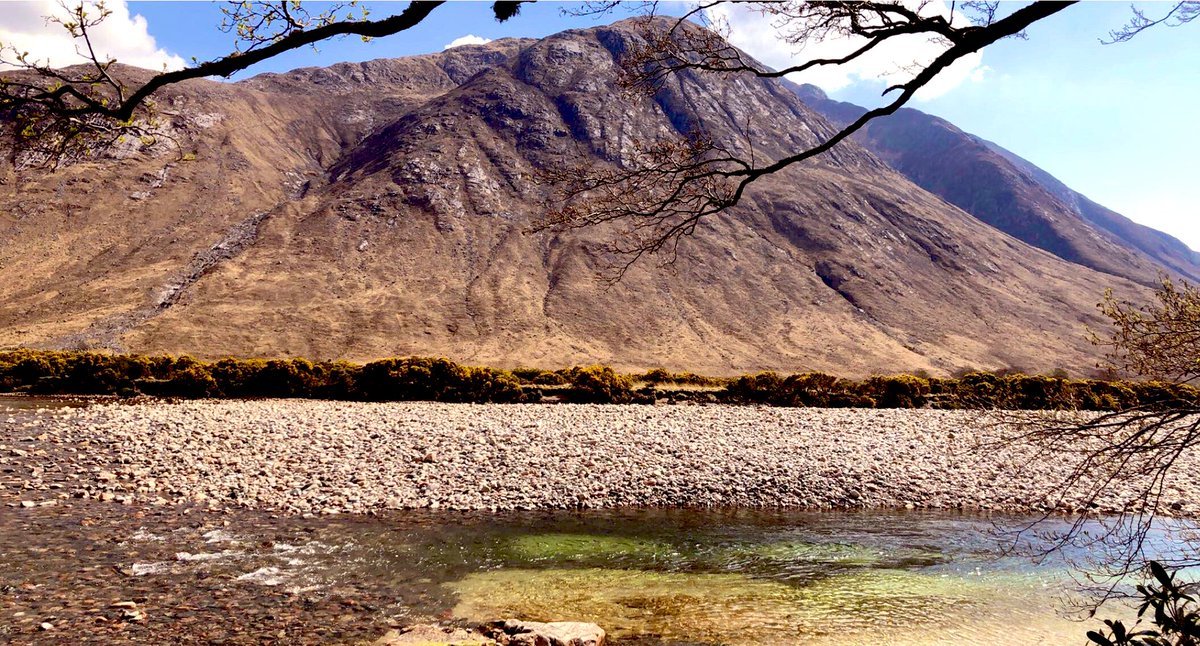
[{"x": 666, "y": 189}]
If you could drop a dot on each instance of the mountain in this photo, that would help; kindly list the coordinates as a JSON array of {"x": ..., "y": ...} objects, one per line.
[
  {"x": 1011, "y": 193},
  {"x": 384, "y": 208}
]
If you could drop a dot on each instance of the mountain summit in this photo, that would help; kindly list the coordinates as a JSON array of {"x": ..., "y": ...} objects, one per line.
[
  {"x": 384, "y": 208},
  {"x": 1012, "y": 194}
]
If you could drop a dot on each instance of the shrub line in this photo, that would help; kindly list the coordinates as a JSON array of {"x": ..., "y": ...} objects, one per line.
[{"x": 50, "y": 372}]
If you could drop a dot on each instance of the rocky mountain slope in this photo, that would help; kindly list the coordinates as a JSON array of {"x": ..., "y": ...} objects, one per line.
[
  {"x": 384, "y": 208},
  {"x": 1012, "y": 194}
]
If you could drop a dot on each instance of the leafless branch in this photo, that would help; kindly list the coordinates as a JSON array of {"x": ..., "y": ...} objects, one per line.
[
  {"x": 1179, "y": 14},
  {"x": 668, "y": 187},
  {"x": 1117, "y": 490}
]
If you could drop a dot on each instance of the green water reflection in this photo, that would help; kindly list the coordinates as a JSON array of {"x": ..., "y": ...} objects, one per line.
[{"x": 689, "y": 577}]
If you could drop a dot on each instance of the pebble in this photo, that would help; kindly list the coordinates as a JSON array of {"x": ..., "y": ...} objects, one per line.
[{"x": 306, "y": 457}]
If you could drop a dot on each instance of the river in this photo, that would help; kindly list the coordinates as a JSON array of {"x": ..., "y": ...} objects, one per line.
[{"x": 648, "y": 576}]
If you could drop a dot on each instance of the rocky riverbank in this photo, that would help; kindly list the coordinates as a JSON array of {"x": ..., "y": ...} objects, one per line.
[{"x": 299, "y": 456}]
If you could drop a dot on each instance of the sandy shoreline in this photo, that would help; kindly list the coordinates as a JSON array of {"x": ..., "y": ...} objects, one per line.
[{"x": 302, "y": 456}]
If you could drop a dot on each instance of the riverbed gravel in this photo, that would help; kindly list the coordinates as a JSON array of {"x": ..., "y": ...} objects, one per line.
[{"x": 319, "y": 457}]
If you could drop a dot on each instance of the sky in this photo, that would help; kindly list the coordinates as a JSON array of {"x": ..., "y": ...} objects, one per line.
[{"x": 1114, "y": 122}]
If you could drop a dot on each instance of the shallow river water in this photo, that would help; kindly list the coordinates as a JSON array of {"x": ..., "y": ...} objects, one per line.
[
  {"x": 648, "y": 576},
  {"x": 699, "y": 577}
]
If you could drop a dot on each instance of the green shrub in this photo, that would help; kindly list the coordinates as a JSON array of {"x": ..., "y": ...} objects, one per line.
[
  {"x": 526, "y": 375},
  {"x": 86, "y": 373},
  {"x": 754, "y": 389},
  {"x": 423, "y": 378},
  {"x": 598, "y": 385},
  {"x": 812, "y": 389},
  {"x": 191, "y": 382},
  {"x": 548, "y": 378},
  {"x": 266, "y": 378},
  {"x": 23, "y": 368},
  {"x": 850, "y": 400},
  {"x": 1156, "y": 394},
  {"x": 980, "y": 390},
  {"x": 662, "y": 376},
  {"x": 655, "y": 376},
  {"x": 539, "y": 377},
  {"x": 435, "y": 379},
  {"x": 1093, "y": 394},
  {"x": 490, "y": 385},
  {"x": 900, "y": 391},
  {"x": 1037, "y": 392},
  {"x": 336, "y": 380}
]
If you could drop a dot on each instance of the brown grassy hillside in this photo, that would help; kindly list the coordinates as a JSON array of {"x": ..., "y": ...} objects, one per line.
[{"x": 383, "y": 208}]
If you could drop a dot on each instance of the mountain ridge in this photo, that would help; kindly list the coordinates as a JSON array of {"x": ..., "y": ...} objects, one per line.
[
  {"x": 395, "y": 213},
  {"x": 994, "y": 183}
]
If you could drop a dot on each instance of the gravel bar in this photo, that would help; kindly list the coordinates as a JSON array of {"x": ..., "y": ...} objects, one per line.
[{"x": 302, "y": 456}]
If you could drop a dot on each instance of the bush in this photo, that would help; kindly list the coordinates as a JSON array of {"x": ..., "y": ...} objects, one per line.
[
  {"x": 266, "y": 378},
  {"x": 1094, "y": 394},
  {"x": 1156, "y": 394},
  {"x": 1037, "y": 392},
  {"x": 435, "y": 379},
  {"x": 805, "y": 389},
  {"x": 490, "y": 385},
  {"x": 813, "y": 389},
  {"x": 86, "y": 373},
  {"x": 548, "y": 378},
  {"x": 662, "y": 376},
  {"x": 754, "y": 389},
  {"x": 539, "y": 377},
  {"x": 336, "y": 380},
  {"x": 430, "y": 379},
  {"x": 598, "y": 385},
  {"x": 980, "y": 390},
  {"x": 901, "y": 391},
  {"x": 191, "y": 382},
  {"x": 1173, "y": 613}
]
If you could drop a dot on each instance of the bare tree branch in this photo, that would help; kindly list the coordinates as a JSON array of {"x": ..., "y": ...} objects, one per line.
[
  {"x": 1179, "y": 14},
  {"x": 1124, "y": 463},
  {"x": 665, "y": 190}
]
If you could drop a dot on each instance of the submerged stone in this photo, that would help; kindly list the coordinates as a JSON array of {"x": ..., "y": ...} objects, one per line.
[{"x": 858, "y": 607}]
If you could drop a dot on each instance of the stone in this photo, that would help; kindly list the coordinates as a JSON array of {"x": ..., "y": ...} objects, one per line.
[
  {"x": 555, "y": 633},
  {"x": 134, "y": 615}
]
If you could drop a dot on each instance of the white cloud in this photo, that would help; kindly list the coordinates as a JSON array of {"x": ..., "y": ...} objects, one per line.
[
  {"x": 121, "y": 36},
  {"x": 469, "y": 39},
  {"x": 887, "y": 64}
]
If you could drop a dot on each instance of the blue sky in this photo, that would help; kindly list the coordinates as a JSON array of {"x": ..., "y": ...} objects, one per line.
[{"x": 1115, "y": 122}]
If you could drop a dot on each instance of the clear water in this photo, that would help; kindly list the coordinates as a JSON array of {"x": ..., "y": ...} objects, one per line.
[
  {"x": 679, "y": 576},
  {"x": 12, "y": 403}
]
